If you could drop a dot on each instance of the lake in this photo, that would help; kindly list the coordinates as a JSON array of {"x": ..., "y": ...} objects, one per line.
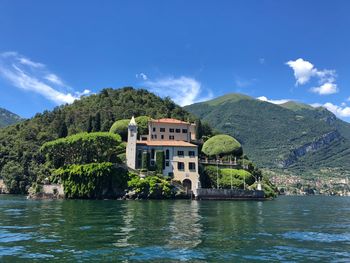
[{"x": 293, "y": 229}]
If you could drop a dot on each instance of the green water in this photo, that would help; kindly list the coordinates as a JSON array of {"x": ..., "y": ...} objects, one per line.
[{"x": 292, "y": 229}]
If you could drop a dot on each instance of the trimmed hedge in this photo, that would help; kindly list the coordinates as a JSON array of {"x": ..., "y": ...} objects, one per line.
[
  {"x": 221, "y": 145},
  {"x": 121, "y": 126},
  {"x": 82, "y": 148},
  {"x": 94, "y": 180}
]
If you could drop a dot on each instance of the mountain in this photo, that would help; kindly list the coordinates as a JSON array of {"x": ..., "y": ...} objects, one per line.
[
  {"x": 291, "y": 137},
  {"x": 22, "y": 163},
  {"x": 7, "y": 118}
]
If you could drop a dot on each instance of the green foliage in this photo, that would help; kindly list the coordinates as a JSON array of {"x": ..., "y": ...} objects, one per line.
[
  {"x": 210, "y": 172},
  {"x": 120, "y": 127},
  {"x": 145, "y": 160},
  {"x": 21, "y": 142},
  {"x": 94, "y": 180},
  {"x": 239, "y": 176},
  {"x": 142, "y": 124},
  {"x": 14, "y": 178},
  {"x": 221, "y": 145},
  {"x": 209, "y": 176},
  {"x": 152, "y": 187},
  {"x": 270, "y": 132},
  {"x": 160, "y": 161},
  {"x": 82, "y": 148}
]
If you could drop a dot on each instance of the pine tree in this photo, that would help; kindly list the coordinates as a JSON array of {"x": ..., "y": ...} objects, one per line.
[
  {"x": 97, "y": 122},
  {"x": 89, "y": 127},
  {"x": 62, "y": 130}
]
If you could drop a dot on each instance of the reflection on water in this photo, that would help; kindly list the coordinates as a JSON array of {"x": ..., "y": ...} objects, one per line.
[{"x": 287, "y": 229}]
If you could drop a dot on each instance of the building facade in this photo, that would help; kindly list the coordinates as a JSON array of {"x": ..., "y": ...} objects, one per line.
[{"x": 172, "y": 137}]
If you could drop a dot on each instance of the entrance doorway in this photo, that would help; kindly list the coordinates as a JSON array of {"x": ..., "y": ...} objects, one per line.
[{"x": 187, "y": 184}]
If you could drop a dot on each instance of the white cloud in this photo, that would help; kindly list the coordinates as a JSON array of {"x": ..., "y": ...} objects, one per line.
[
  {"x": 340, "y": 111},
  {"x": 142, "y": 76},
  {"x": 326, "y": 89},
  {"x": 32, "y": 76},
  {"x": 281, "y": 101},
  {"x": 54, "y": 79},
  {"x": 305, "y": 70},
  {"x": 182, "y": 90}
]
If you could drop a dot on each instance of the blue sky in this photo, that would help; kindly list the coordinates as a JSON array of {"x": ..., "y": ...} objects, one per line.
[{"x": 52, "y": 52}]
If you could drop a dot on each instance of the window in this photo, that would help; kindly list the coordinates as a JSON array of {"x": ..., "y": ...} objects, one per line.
[
  {"x": 191, "y": 153},
  {"x": 154, "y": 129},
  {"x": 192, "y": 166},
  {"x": 180, "y": 166},
  {"x": 171, "y": 137},
  {"x": 152, "y": 153},
  {"x": 167, "y": 153},
  {"x": 171, "y": 130},
  {"x": 178, "y": 130},
  {"x": 167, "y": 163},
  {"x": 184, "y": 130},
  {"x": 162, "y": 129},
  {"x": 162, "y": 136},
  {"x": 154, "y": 136},
  {"x": 180, "y": 153}
]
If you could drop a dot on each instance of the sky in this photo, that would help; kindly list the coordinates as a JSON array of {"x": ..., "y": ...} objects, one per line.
[{"x": 54, "y": 52}]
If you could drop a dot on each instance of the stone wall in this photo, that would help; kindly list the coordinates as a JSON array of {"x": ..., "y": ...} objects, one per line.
[
  {"x": 53, "y": 189},
  {"x": 3, "y": 188},
  {"x": 229, "y": 194}
]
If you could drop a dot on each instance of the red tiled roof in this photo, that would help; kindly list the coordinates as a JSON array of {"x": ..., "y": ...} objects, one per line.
[
  {"x": 169, "y": 120},
  {"x": 167, "y": 143}
]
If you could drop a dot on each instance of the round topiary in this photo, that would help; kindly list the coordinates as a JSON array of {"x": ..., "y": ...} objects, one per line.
[
  {"x": 120, "y": 127},
  {"x": 221, "y": 145}
]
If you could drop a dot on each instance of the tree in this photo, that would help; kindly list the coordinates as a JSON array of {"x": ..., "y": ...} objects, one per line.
[
  {"x": 89, "y": 126},
  {"x": 14, "y": 178},
  {"x": 221, "y": 145},
  {"x": 62, "y": 130},
  {"x": 97, "y": 122},
  {"x": 121, "y": 127},
  {"x": 82, "y": 148}
]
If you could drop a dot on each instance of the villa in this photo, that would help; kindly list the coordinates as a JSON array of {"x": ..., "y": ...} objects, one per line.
[{"x": 174, "y": 138}]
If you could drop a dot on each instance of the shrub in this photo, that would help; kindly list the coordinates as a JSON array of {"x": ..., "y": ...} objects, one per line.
[
  {"x": 160, "y": 161},
  {"x": 120, "y": 127},
  {"x": 145, "y": 161},
  {"x": 94, "y": 180},
  {"x": 221, "y": 145},
  {"x": 152, "y": 187},
  {"x": 82, "y": 148},
  {"x": 238, "y": 178}
]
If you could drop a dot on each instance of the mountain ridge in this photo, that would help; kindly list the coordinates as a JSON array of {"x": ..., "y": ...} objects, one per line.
[
  {"x": 8, "y": 118},
  {"x": 292, "y": 136}
]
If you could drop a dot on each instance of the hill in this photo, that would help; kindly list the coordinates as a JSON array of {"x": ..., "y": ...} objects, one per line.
[
  {"x": 19, "y": 143},
  {"x": 7, "y": 118},
  {"x": 292, "y": 137}
]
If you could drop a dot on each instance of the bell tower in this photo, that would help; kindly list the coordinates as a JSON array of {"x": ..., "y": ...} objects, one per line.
[{"x": 131, "y": 145}]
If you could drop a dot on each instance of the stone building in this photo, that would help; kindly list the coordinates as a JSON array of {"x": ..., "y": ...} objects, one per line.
[{"x": 174, "y": 139}]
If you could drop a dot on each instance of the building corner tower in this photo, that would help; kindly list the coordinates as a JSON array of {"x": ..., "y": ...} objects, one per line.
[{"x": 131, "y": 145}]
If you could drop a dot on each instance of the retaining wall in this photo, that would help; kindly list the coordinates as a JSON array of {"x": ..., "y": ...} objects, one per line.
[{"x": 229, "y": 194}]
